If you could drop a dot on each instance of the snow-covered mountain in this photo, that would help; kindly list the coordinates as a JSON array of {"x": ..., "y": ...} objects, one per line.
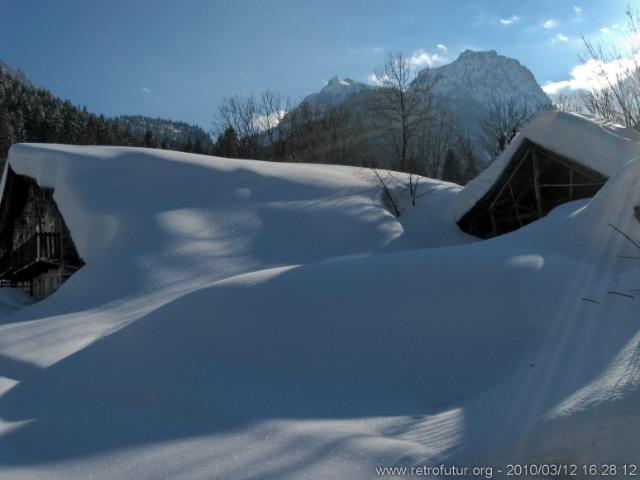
[
  {"x": 478, "y": 77},
  {"x": 474, "y": 82},
  {"x": 483, "y": 77},
  {"x": 336, "y": 91},
  {"x": 467, "y": 87}
]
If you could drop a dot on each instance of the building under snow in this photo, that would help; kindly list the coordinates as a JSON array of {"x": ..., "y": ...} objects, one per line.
[
  {"x": 558, "y": 157},
  {"x": 36, "y": 249}
]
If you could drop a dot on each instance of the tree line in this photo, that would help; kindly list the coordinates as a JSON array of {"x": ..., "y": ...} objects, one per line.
[
  {"x": 401, "y": 125},
  {"x": 33, "y": 114},
  {"x": 398, "y": 126}
]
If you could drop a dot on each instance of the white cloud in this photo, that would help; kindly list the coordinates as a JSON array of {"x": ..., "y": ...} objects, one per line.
[
  {"x": 146, "y": 90},
  {"x": 577, "y": 9},
  {"x": 510, "y": 20},
  {"x": 551, "y": 23},
  {"x": 373, "y": 78},
  {"x": 421, "y": 58},
  {"x": 558, "y": 37},
  {"x": 587, "y": 75},
  {"x": 418, "y": 59},
  {"x": 442, "y": 47},
  {"x": 610, "y": 29},
  {"x": 264, "y": 122}
]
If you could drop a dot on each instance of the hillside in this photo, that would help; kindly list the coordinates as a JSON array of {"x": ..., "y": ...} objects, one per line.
[
  {"x": 168, "y": 134},
  {"x": 29, "y": 113},
  {"x": 336, "y": 91},
  {"x": 245, "y": 319},
  {"x": 467, "y": 88}
]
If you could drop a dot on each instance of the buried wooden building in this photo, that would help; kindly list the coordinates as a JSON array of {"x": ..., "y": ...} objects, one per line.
[
  {"x": 557, "y": 158},
  {"x": 37, "y": 252}
]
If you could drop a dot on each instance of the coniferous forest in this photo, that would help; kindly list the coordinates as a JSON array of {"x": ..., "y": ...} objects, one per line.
[{"x": 29, "y": 113}]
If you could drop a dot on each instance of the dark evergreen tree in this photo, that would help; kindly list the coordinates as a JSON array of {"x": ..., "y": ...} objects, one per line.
[
  {"x": 148, "y": 139},
  {"x": 227, "y": 144},
  {"x": 6, "y": 133},
  {"x": 470, "y": 170},
  {"x": 32, "y": 114},
  {"x": 452, "y": 170},
  {"x": 469, "y": 167}
]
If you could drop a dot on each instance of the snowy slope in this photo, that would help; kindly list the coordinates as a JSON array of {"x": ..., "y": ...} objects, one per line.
[
  {"x": 485, "y": 76},
  {"x": 243, "y": 319},
  {"x": 336, "y": 91}
]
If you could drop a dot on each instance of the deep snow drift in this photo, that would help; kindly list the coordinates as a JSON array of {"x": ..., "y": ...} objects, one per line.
[{"x": 243, "y": 319}]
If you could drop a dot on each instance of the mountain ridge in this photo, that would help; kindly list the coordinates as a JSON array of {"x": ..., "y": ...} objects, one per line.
[{"x": 468, "y": 88}]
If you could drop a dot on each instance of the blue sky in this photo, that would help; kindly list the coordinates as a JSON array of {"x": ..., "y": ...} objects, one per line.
[{"x": 177, "y": 59}]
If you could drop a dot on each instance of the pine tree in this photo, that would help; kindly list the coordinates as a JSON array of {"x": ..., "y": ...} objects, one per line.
[
  {"x": 227, "y": 144},
  {"x": 6, "y": 133},
  {"x": 470, "y": 170},
  {"x": 33, "y": 114},
  {"x": 451, "y": 170},
  {"x": 148, "y": 139}
]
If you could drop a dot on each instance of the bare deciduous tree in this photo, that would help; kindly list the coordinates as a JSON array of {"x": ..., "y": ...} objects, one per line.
[
  {"x": 567, "y": 103},
  {"x": 401, "y": 109},
  {"x": 272, "y": 111},
  {"x": 434, "y": 140},
  {"x": 240, "y": 114},
  {"x": 304, "y": 134},
  {"x": 327, "y": 135},
  {"x": 502, "y": 121},
  {"x": 615, "y": 92}
]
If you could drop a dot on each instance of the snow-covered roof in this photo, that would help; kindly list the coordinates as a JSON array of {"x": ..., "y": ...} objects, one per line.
[
  {"x": 234, "y": 317},
  {"x": 595, "y": 143}
]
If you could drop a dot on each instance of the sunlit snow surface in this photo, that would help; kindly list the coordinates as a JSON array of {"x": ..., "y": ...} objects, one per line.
[{"x": 244, "y": 319}]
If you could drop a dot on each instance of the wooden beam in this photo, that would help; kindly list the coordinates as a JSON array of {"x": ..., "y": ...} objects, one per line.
[
  {"x": 515, "y": 170},
  {"x": 536, "y": 184},
  {"x": 515, "y": 204},
  {"x": 493, "y": 223},
  {"x": 571, "y": 164},
  {"x": 571, "y": 184}
]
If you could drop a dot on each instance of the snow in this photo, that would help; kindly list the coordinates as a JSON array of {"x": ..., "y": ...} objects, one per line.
[
  {"x": 245, "y": 319},
  {"x": 336, "y": 91},
  {"x": 596, "y": 143},
  {"x": 484, "y": 76},
  {"x": 467, "y": 87},
  {"x": 12, "y": 299}
]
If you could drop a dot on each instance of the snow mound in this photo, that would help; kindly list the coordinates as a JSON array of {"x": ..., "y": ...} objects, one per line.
[
  {"x": 245, "y": 319},
  {"x": 12, "y": 299}
]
